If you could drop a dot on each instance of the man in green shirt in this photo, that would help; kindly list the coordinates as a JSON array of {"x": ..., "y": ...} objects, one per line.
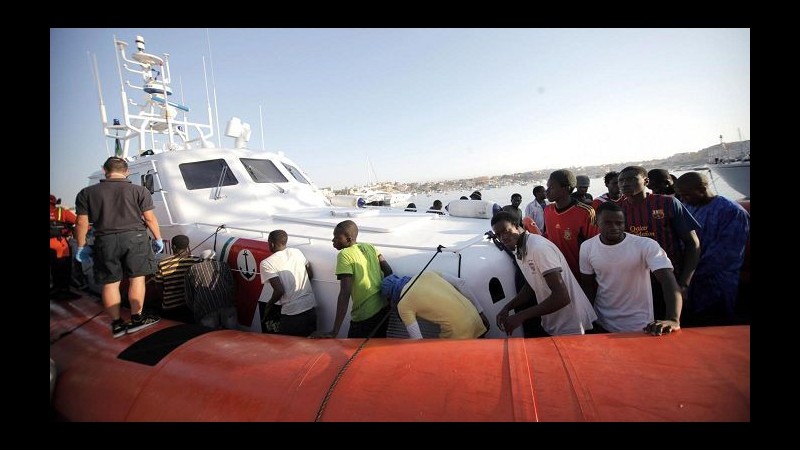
[{"x": 360, "y": 270}]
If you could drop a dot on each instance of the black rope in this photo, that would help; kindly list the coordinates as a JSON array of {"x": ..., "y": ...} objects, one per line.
[
  {"x": 372, "y": 333},
  {"x": 214, "y": 234},
  {"x": 70, "y": 331}
]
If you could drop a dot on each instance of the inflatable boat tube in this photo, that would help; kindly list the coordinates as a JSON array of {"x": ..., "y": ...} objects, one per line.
[
  {"x": 352, "y": 201},
  {"x": 482, "y": 209}
]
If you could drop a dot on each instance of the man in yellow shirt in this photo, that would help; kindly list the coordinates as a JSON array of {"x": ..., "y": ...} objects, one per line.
[{"x": 439, "y": 298}]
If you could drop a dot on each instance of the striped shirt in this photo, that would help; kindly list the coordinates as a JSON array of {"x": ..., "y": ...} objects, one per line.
[
  {"x": 170, "y": 275},
  {"x": 605, "y": 198},
  {"x": 209, "y": 287},
  {"x": 662, "y": 218}
]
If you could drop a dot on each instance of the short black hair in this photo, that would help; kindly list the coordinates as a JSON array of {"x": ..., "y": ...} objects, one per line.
[
  {"x": 516, "y": 195},
  {"x": 348, "y": 228},
  {"x": 659, "y": 176},
  {"x": 537, "y": 189},
  {"x": 180, "y": 242},
  {"x": 115, "y": 164},
  {"x": 639, "y": 170},
  {"x": 278, "y": 237},
  {"x": 609, "y": 176},
  {"x": 505, "y": 215},
  {"x": 565, "y": 178},
  {"x": 609, "y": 206},
  {"x": 692, "y": 179}
]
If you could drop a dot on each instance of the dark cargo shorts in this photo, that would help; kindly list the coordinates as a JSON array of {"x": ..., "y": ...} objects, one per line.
[{"x": 127, "y": 253}]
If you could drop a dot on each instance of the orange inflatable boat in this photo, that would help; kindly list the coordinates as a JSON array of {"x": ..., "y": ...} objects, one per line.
[{"x": 178, "y": 372}]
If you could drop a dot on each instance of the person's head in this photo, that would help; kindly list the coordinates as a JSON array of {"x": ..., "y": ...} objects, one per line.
[
  {"x": 464, "y": 197},
  {"x": 514, "y": 211},
  {"x": 693, "y": 189},
  {"x": 207, "y": 254},
  {"x": 632, "y": 180},
  {"x": 115, "y": 167},
  {"x": 560, "y": 185},
  {"x": 476, "y": 195},
  {"x": 53, "y": 200},
  {"x": 611, "y": 221},
  {"x": 506, "y": 228},
  {"x": 516, "y": 199},
  {"x": 612, "y": 183},
  {"x": 659, "y": 182},
  {"x": 412, "y": 207},
  {"x": 437, "y": 204},
  {"x": 582, "y": 184},
  {"x": 345, "y": 234},
  {"x": 539, "y": 193},
  {"x": 180, "y": 243},
  {"x": 277, "y": 240}
]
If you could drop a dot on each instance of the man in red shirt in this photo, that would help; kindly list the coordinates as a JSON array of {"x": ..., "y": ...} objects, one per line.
[
  {"x": 567, "y": 222},
  {"x": 62, "y": 221}
]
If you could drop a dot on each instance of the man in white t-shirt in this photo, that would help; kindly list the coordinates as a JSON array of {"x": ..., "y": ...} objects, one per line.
[
  {"x": 535, "y": 209},
  {"x": 289, "y": 274},
  {"x": 563, "y": 306},
  {"x": 615, "y": 274}
]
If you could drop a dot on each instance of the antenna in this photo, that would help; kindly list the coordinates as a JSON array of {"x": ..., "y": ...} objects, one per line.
[
  {"x": 208, "y": 101},
  {"x": 103, "y": 119},
  {"x": 185, "y": 113},
  {"x": 119, "y": 47},
  {"x": 214, "y": 88},
  {"x": 261, "y": 122}
]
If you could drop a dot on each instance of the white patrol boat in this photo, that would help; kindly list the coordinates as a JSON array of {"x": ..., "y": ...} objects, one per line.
[{"x": 229, "y": 198}]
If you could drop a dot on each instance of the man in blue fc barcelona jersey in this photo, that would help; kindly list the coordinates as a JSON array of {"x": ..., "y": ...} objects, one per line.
[{"x": 663, "y": 218}]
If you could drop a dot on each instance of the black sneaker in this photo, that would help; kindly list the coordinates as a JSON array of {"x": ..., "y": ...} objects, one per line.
[
  {"x": 118, "y": 328},
  {"x": 141, "y": 321}
]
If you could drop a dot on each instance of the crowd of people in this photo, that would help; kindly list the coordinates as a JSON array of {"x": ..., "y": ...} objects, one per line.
[{"x": 628, "y": 260}]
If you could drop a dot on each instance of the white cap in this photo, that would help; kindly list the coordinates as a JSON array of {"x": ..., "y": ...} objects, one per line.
[{"x": 207, "y": 254}]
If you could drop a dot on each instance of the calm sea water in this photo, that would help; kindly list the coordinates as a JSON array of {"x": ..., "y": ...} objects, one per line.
[{"x": 502, "y": 195}]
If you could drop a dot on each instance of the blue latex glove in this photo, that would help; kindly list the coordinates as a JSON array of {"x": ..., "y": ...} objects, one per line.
[
  {"x": 158, "y": 245},
  {"x": 84, "y": 254}
]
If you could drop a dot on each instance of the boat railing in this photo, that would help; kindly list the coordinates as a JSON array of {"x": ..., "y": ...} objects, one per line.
[
  {"x": 265, "y": 234},
  {"x": 154, "y": 171}
]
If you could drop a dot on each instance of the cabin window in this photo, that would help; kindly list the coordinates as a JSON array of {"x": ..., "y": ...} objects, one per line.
[
  {"x": 263, "y": 171},
  {"x": 207, "y": 174},
  {"x": 496, "y": 290},
  {"x": 296, "y": 173}
]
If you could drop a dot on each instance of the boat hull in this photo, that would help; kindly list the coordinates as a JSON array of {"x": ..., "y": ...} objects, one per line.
[
  {"x": 736, "y": 174},
  {"x": 699, "y": 374}
]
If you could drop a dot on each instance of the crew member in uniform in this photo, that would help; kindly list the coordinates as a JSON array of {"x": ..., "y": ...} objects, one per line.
[{"x": 62, "y": 222}]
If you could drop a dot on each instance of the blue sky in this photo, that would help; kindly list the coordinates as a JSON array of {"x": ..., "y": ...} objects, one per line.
[{"x": 423, "y": 104}]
